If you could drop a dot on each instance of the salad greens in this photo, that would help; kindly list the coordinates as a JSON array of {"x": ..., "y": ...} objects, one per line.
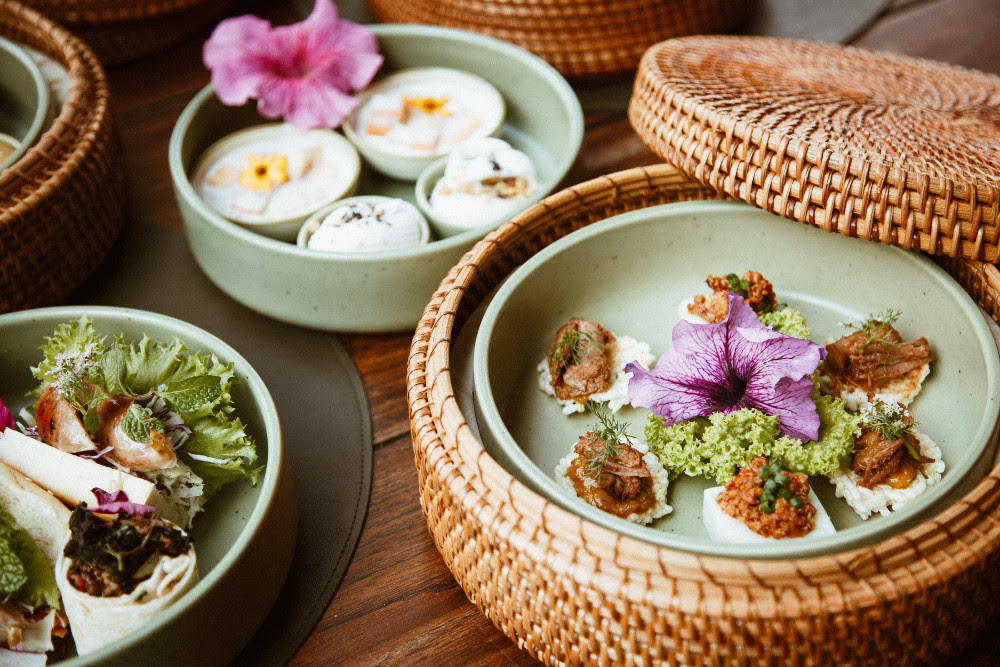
[
  {"x": 25, "y": 575},
  {"x": 162, "y": 378}
]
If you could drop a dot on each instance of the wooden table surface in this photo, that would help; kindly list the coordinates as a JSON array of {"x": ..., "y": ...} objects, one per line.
[{"x": 398, "y": 603}]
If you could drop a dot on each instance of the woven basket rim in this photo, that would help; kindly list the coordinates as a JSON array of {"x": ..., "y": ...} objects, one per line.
[
  {"x": 107, "y": 12},
  {"x": 707, "y": 142},
  {"x": 72, "y": 127},
  {"x": 488, "y": 490}
]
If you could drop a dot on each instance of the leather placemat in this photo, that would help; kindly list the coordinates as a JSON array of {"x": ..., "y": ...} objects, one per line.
[{"x": 321, "y": 404}]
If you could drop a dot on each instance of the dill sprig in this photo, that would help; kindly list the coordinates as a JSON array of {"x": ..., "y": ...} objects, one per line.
[
  {"x": 611, "y": 432},
  {"x": 893, "y": 422},
  {"x": 871, "y": 327},
  {"x": 567, "y": 350}
]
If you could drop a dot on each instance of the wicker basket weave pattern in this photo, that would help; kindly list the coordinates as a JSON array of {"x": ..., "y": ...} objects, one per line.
[
  {"x": 568, "y": 591},
  {"x": 878, "y": 146},
  {"x": 580, "y": 38},
  {"x": 62, "y": 204}
]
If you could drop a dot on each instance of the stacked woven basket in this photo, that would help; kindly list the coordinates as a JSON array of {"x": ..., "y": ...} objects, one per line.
[
  {"x": 122, "y": 30},
  {"x": 62, "y": 204},
  {"x": 583, "y": 39},
  {"x": 808, "y": 146}
]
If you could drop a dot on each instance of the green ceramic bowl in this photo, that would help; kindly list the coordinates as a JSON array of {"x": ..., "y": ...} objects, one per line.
[
  {"x": 385, "y": 292},
  {"x": 639, "y": 266},
  {"x": 24, "y": 102},
  {"x": 244, "y": 538}
]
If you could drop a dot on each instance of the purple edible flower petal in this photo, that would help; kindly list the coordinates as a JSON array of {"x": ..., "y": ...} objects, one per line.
[
  {"x": 6, "y": 418},
  {"x": 116, "y": 503},
  {"x": 302, "y": 72},
  {"x": 734, "y": 364}
]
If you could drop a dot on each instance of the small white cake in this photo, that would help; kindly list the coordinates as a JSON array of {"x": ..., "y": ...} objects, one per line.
[
  {"x": 363, "y": 226},
  {"x": 723, "y": 528},
  {"x": 485, "y": 179}
]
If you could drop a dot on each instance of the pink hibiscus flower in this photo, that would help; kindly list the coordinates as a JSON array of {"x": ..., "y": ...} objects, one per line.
[{"x": 302, "y": 72}]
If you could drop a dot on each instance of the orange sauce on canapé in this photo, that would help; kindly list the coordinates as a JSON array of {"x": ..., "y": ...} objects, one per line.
[{"x": 590, "y": 490}]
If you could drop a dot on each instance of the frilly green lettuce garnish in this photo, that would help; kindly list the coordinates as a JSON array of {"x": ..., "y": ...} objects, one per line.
[
  {"x": 717, "y": 446},
  {"x": 195, "y": 386},
  {"x": 787, "y": 321},
  {"x": 25, "y": 575}
]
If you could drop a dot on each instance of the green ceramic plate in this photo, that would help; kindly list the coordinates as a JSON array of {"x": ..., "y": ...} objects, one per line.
[
  {"x": 384, "y": 291},
  {"x": 244, "y": 538},
  {"x": 630, "y": 272}
]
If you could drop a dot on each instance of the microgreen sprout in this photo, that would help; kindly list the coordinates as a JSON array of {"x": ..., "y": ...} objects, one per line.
[
  {"x": 871, "y": 328},
  {"x": 893, "y": 422},
  {"x": 611, "y": 432},
  {"x": 567, "y": 351}
]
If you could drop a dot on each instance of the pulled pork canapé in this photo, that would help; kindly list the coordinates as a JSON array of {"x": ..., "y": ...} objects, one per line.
[
  {"x": 770, "y": 501},
  {"x": 757, "y": 292},
  {"x": 874, "y": 358},
  {"x": 884, "y": 457},
  {"x": 580, "y": 360},
  {"x": 111, "y": 558},
  {"x": 613, "y": 478}
]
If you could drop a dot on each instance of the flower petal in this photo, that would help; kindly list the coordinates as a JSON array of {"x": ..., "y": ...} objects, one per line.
[
  {"x": 302, "y": 72},
  {"x": 730, "y": 365}
]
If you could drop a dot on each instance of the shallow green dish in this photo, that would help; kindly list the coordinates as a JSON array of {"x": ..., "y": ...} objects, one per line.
[
  {"x": 24, "y": 100},
  {"x": 245, "y": 537},
  {"x": 384, "y": 291},
  {"x": 629, "y": 273}
]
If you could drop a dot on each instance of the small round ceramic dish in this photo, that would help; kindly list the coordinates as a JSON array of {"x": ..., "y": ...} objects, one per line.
[
  {"x": 366, "y": 224},
  {"x": 384, "y": 292},
  {"x": 481, "y": 183},
  {"x": 410, "y": 118},
  {"x": 271, "y": 177},
  {"x": 639, "y": 266},
  {"x": 24, "y": 102},
  {"x": 246, "y": 535}
]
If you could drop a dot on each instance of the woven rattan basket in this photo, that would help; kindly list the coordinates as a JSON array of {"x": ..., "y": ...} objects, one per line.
[
  {"x": 580, "y": 38},
  {"x": 879, "y": 146},
  {"x": 122, "y": 30},
  {"x": 63, "y": 203},
  {"x": 569, "y": 591}
]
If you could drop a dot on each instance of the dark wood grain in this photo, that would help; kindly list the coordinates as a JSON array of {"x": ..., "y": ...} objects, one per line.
[{"x": 398, "y": 604}]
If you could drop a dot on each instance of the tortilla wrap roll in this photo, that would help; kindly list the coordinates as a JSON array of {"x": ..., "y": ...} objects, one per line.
[
  {"x": 36, "y": 510},
  {"x": 96, "y": 621}
]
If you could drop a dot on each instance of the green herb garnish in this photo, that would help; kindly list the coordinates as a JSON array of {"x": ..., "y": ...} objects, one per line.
[
  {"x": 892, "y": 421},
  {"x": 611, "y": 432},
  {"x": 775, "y": 487},
  {"x": 872, "y": 327},
  {"x": 567, "y": 351},
  {"x": 737, "y": 284}
]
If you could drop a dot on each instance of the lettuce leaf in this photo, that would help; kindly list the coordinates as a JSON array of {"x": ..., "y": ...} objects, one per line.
[
  {"x": 24, "y": 572},
  {"x": 717, "y": 446},
  {"x": 195, "y": 386}
]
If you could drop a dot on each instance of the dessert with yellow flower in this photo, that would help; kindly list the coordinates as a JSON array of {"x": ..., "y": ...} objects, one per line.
[
  {"x": 271, "y": 177},
  {"x": 425, "y": 112}
]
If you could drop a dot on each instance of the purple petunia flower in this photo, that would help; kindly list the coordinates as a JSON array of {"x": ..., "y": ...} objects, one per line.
[
  {"x": 302, "y": 72},
  {"x": 734, "y": 364}
]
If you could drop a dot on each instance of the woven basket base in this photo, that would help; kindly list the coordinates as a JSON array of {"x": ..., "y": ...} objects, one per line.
[{"x": 568, "y": 591}]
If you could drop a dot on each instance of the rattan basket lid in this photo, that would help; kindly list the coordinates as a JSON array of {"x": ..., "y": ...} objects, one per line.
[{"x": 873, "y": 145}]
